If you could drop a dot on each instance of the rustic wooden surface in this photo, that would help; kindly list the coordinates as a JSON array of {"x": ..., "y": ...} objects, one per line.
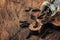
[{"x": 11, "y": 12}]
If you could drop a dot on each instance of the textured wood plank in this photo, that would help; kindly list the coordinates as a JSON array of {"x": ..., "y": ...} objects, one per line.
[{"x": 11, "y": 12}]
